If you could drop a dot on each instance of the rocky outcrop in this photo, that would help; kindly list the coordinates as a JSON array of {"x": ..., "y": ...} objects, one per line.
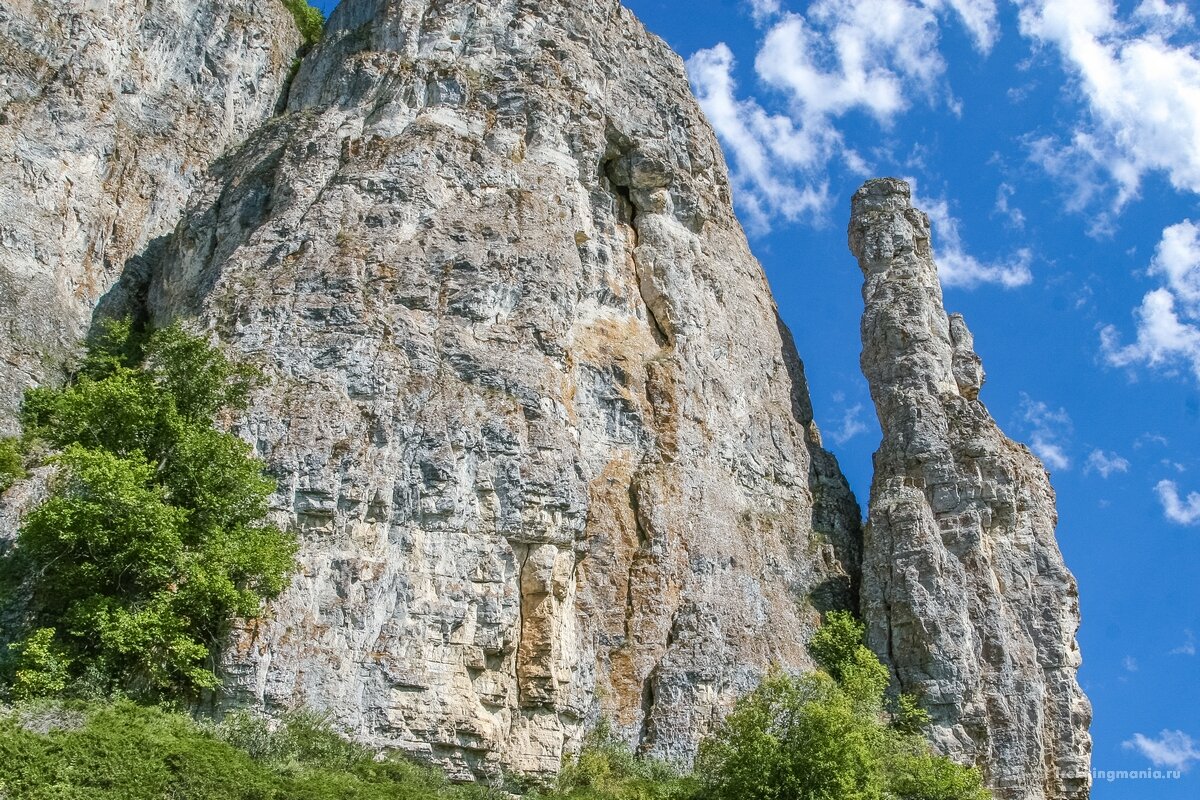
[
  {"x": 529, "y": 402},
  {"x": 109, "y": 113},
  {"x": 964, "y": 589}
]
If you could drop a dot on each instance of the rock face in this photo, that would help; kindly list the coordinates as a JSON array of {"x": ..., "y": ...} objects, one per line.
[
  {"x": 964, "y": 589},
  {"x": 109, "y": 113},
  {"x": 530, "y": 405}
]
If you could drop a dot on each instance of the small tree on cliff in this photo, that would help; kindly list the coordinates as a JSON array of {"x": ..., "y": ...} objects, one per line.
[{"x": 152, "y": 540}]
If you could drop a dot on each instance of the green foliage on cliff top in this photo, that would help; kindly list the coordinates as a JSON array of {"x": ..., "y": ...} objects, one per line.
[
  {"x": 152, "y": 540},
  {"x": 309, "y": 20}
]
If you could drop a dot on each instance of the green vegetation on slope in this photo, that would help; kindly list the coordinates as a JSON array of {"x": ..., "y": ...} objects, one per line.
[
  {"x": 827, "y": 735},
  {"x": 12, "y": 467},
  {"x": 123, "y": 751},
  {"x": 309, "y": 20},
  {"x": 152, "y": 541}
]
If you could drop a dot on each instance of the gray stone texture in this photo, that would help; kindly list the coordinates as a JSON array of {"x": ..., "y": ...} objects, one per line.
[
  {"x": 109, "y": 113},
  {"x": 548, "y": 447},
  {"x": 964, "y": 589}
]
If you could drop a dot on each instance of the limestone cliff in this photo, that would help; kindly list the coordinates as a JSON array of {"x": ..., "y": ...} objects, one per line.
[
  {"x": 109, "y": 113},
  {"x": 964, "y": 590},
  {"x": 529, "y": 402},
  {"x": 548, "y": 448}
]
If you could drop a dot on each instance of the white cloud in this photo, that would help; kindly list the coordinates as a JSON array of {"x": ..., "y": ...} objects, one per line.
[
  {"x": 1177, "y": 259},
  {"x": 1130, "y": 664},
  {"x": 957, "y": 267},
  {"x": 979, "y": 18},
  {"x": 759, "y": 143},
  {"x": 1014, "y": 215},
  {"x": 763, "y": 9},
  {"x": 1105, "y": 463},
  {"x": 852, "y": 425},
  {"x": 1048, "y": 431},
  {"x": 1162, "y": 17},
  {"x": 1141, "y": 91},
  {"x": 1188, "y": 648},
  {"x": 1168, "y": 321},
  {"x": 1184, "y": 511},
  {"x": 1151, "y": 438},
  {"x": 1172, "y": 749},
  {"x": 840, "y": 56},
  {"x": 1163, "y": 339}
]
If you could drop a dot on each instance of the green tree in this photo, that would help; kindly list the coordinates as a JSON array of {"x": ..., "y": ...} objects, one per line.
[
  {"x": 152, "y": 541},
  {"x": 825, "y": 736}
]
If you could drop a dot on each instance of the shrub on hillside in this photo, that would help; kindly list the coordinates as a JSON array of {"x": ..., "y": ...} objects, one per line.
[
  {"x": 825, "y": 735},
  {"x": 12, "y": 462}
]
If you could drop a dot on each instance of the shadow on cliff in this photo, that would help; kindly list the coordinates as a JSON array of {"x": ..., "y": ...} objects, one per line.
[{"x": 837, "y": 516}]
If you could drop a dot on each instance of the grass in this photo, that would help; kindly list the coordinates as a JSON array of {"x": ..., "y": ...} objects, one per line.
[{"x": 124, "y": 751}]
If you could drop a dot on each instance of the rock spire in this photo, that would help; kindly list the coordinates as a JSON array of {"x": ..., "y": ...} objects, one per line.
[{"x": 964, "y": 589}]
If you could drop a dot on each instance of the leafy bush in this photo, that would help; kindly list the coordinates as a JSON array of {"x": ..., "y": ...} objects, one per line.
[
  {"x": 152, "y": 539},
  {"x": 309, "y": 20},
  {"x": 12, "y": 466},
  {"x": 825, "y": 735}
]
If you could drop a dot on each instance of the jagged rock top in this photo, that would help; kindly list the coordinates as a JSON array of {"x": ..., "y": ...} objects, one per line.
[{"x": 964, "y": 589}]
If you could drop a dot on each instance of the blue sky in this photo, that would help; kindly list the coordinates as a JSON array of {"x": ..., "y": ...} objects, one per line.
[{"x": 1056, "y": 146}]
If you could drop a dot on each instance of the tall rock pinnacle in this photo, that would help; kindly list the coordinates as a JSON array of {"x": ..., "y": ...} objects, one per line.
[{"x": 964, "y": 589}]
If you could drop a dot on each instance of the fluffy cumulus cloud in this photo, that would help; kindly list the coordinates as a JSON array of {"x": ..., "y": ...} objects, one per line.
[
  {"x": 1170, "y": 749},
  {"x": 1178, "y": 509},
  {"x": 1049, "y": 430},
  {"x": 764, "y": 9},
  {"x": 1168, "y": 320},
  {"x": 1140, "y": 86},
  {"x": 1105, "y": 464},
  {"x": 766, "y": 149},
  {"x": 875, "y": 57}
]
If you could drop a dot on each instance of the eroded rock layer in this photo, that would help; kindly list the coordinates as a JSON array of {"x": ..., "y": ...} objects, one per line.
[
  {"x": 964, "y": 589},
  {"x": 109, "y": 113},
  {"x": 529, "y": 403}
]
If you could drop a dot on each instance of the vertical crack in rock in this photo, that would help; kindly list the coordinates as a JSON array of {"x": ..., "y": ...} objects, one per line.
[{"x": 964, "y": 589}]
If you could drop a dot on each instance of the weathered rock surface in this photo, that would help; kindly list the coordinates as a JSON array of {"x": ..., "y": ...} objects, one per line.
[
  {"x": 964, "y": 589},
  {"x": 529, "y": 401},
  {"x": 109, "y": 113}
]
